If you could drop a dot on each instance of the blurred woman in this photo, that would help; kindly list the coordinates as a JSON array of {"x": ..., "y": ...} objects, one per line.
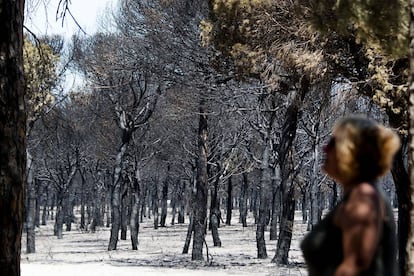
[{"x": 358, "y": 236}]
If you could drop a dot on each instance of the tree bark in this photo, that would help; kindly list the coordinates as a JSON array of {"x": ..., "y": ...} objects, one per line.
[
  {"x": 12, "y": 136},
  {"x": 199, "y": 202},
  {"x": 116, "y": 193},
  {"x": 286, "y": 169},
  {"x": 229, "y": 200},
  {"x": 215, "y": 213},
  {"x": 164, "y": 198},
  {"x": 190, "y": 231},
  {"x": 243, "y": 200},
  {"x": 265, "y": 192},
  {"x": 134, "y": 220},
  {"x": 408, "y": 262},
  {"x": 31, "y": 208}
]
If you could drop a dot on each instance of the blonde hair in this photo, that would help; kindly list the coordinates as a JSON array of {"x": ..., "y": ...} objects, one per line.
[{"x": 364, "y": 149}]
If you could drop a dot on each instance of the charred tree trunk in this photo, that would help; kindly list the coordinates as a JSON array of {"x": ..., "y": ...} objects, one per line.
[
  {"x": 155, "y": 209},
  {"x": 286, "y": 227},
  {"x": 199, "y": 201},
  {"x": 164, "y": 198},
  {"x": 124, "y": 208},
  {"x": 116, "y": 217},
  {"x": 116, "y": 191},
  {"x": 404, "y": 192},
  {"x": 408, "y": 262},
  {"x": 229, "y": 200},
  {"x": 243, "y": 200},
  {"x": 83, "y": 181},
  {"x": 12, "y": 136},
  {"x": 190, "y": 231},
  {"x": 286, "y": 170},
  {"x": 134, "y": 220},
  {"x": 59, "y": 221},
  {"x": 215, "y": 213},
  {"x": 182, "y": 203},
  {"x": 31, "y": 208},
  {"x": 265, "y": 192}
]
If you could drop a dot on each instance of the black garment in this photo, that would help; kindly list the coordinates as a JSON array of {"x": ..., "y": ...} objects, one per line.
[{"x": 323, "y": 253}]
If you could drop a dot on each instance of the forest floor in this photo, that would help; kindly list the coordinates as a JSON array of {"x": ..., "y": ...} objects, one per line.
[{"x": 159, "y": 253}]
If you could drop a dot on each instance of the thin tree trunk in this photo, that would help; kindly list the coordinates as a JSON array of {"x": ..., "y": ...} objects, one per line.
[
  {"x": 164, "y": 198},
  {"x": 134, "y": 221},
  {"x": 215, "y": 213},
  {"x": 31, "y": 208},
  {"x": 116, "y": 217},
  {"x": 181, "y": 210},
  {"x": 199, "y": 202},
  {"x": 124, "y": 209},
  {"x": 155, "y": 210},
  {"x": 82, "y": 221},
  {"x": 243, "y": 200},
  {"x": 265, "y": 192},
  {"x": 190, "y": 231},
  {"x": 229, "y": 200}
]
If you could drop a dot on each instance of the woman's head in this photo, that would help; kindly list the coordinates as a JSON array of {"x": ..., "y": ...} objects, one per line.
[{"x": 362, "y": 150}]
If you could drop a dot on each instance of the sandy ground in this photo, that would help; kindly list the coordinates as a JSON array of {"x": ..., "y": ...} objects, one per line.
[{"x": 159, "y": 253}]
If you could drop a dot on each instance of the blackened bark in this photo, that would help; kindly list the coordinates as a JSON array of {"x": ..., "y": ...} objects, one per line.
[
  {"x": 155, "y": 210},
  {"x": 408, "y": 263},
  {"x": 135, "y": 206},
  {"x": 243, "y": 200},
  {"x": 31, "y": 208},
  {"x": 124, "y": 209},
  {"x": 182, "y": 202},
  {"x": 116, "y": 217},
  {"x": 59, "y": 222},
  {"x": 83, "y": 181},
  {"x": 286, "y": 227},
  {"x": 164, "y": 198},
  {"x": 286, "y": 169},
  {"x": 215, "y": 213},
  {"x": 404, "y": 192},
  {"x": 229, "y": 200},
  {"x": 274, "y": 214},
  {"x": 199, "y": 201},
  {"x": 190, "y": 231},
  {"x": 12, "y": 136},
  {"x": 116, "y": 192}
]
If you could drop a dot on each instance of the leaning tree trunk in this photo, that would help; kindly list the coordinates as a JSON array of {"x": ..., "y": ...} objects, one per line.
[
  {"x": 199, "y": 200},
  {"x": 12, "y": 136}
]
